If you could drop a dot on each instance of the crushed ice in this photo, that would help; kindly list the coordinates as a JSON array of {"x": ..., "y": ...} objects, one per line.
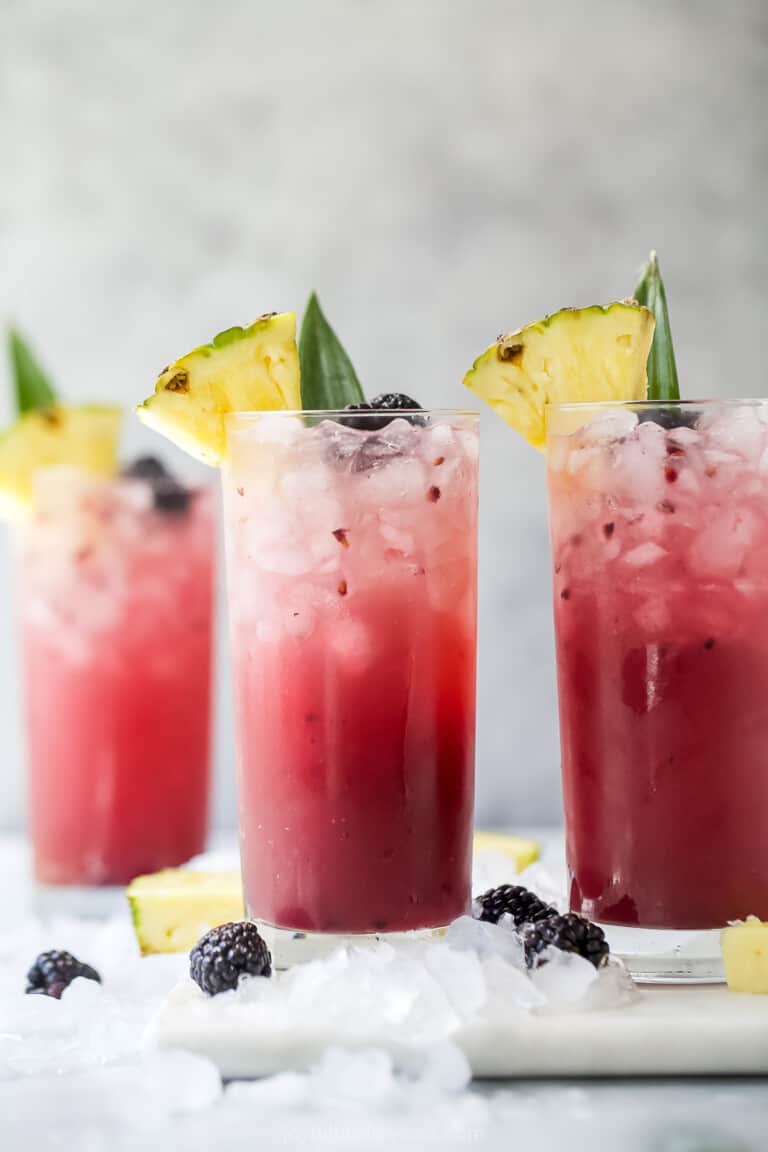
[
  {"x": 394, "y": 1013},
  {"x": 405, "y": 997}
]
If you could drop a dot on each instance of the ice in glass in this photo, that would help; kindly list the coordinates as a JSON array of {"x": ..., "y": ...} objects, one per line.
[
  {"x": 352, "y": 560},
  {"x": 116, "y": 604},
  {"x": 659, "y": 524}
]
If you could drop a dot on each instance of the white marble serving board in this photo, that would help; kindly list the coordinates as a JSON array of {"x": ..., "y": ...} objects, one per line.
[{"x": 665, "y": 1031}]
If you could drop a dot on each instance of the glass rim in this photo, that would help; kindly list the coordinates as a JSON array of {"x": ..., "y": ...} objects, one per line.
[
  {"x": 365, "y": 414},
  {"x": 592, "y": 405}
]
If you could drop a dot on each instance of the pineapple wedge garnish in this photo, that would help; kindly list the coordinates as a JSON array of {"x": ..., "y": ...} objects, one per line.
[
  {"x": 251, "y": 369},
  {"x": 593, "y": 354},
  {"x": 55, "y": 437}
]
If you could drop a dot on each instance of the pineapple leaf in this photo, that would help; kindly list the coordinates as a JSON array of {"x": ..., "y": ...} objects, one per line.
[
  {"x": 662, "y": 370},
  {"x": 328, "y": 380},
  {"x": 32, "y": 386}
]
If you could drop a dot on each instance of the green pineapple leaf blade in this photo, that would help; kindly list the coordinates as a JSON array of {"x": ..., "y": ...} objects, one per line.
[
  {"x": 662, "y": 369},
  {"x": 32, "y": 386},
  {"x": 328, "y": 379}
]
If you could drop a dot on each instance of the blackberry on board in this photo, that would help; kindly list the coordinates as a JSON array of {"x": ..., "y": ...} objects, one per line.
[
  {"x": 569, "y": 933},
  {"x": 226, "y": 953},
  {"x": 520, "y": 903}
]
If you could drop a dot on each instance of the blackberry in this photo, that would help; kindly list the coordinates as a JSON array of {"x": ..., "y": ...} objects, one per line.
[
  {"x": 169, "y": 495},
  {"x": 669, "y": 418},
  {"x": 364, "y": 420},
  {"x": 569, "y": 933},
  {"x": 224, "y": 954},
  {"x": 395, "y": 402},
  {"x": 54, "y": 971},
  {"x": 145, "y": 468},
  {"x": 522, "y": 905},
  {"x": 386, "y": 402}
]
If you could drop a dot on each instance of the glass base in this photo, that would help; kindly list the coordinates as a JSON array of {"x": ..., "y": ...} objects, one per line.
[
  {"x": 84, "y": 902},
  {"x": 664, "y": 956},
  {"x": 289, "y": 946}
]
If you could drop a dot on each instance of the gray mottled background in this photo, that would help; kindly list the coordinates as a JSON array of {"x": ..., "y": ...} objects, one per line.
[{"x": 439, "y": 170}]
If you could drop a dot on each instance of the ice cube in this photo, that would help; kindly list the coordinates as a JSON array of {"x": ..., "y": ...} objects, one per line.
[
  {"x": 273, "y": 428},
  {"x": 644, "y": 555},
  {"x": 510, "y": 991},
  {"x": 653, "y": 439},
  {"x": 580, "y": 458},
  {"x": 564, "y": 978},
  {"x": 637, "y": 476},
  {"x": 402, "y": 482},
  {"x": 400, "y": 434},
  {"x": 470, "y": 442},
  {"x": 737, "y": 429},
  {"x": 718, "y": 551},
  {"x": 321, "y": 543},
  {"x": 683, "y": 436},
  {"x": 397, "y": 538},
  {"x": 688, "y": 482},
  {"x": 105, "y": 1029},
  {"x": 459, "y": 974},
  {"x": 610, "y": 424},
  {"x": 485, "y": 939},
  {"x": 305, "y": 483},
  {"x": 613, "y": 988},
  {"x": 437, "y": 440}
]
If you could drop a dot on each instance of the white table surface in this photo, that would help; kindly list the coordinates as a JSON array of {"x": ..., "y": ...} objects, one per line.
[{"x": 713, "y": 1115}]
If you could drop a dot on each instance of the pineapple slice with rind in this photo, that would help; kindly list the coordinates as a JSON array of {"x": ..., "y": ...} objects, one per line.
[
  {"x": 81, "y": 437},
  {"x": 242, "y": 370},
  {"x": 592, "y": 354},
  {"x": 172, "y": 909}
]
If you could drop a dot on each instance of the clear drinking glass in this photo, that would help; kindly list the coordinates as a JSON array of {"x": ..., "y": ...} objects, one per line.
[
  {"x": 352, "y": 567},
  {"x": 659, "y": 525},
  {"x": 116, "y": 614}
]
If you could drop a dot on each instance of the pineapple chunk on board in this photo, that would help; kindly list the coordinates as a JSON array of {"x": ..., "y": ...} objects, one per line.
[{"x": 745, "y": 956}]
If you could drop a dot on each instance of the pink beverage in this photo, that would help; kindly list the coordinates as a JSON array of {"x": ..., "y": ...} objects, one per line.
[
  {"x": 660, "y": 543},
  {"x": 352, "y": 558},
  {"x": 116, "y": 599}
]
